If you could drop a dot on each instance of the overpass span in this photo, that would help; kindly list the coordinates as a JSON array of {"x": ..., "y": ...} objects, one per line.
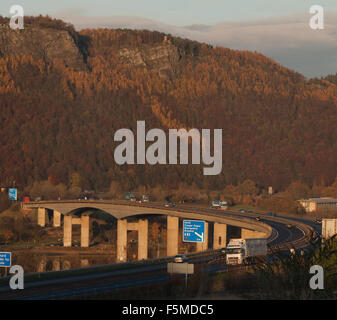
[
  {"x": 125, "y": 209},
  {"x": 78, "y": 212}
]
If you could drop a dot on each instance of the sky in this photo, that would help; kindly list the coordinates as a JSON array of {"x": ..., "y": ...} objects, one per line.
[
  {"x": 176, "y": 12},
  {"x": 277, "y": 28}
]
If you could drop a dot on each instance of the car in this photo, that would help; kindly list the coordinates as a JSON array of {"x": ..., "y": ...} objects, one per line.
[
  {"x": 258, "y": 218},
  {"x": 250, "y": 211},
  {"x": 271, "y": 214},
  {"x": 318, "y": 221},
  {"x": 289, "y": 226},
  {"x": 223, "y": 250},
  {"x": 180, "y": 258},
  {"x": 242, "y": 210},
  {"x": 169, "y": 204},
  {"x": 145, "y": 198}
]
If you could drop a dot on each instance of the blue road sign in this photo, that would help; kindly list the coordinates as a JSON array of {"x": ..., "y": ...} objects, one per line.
[
  {"x": 194, "y": 231},
  {"x": 13, "y": 194},
  {"x": 5, "y": 259}
]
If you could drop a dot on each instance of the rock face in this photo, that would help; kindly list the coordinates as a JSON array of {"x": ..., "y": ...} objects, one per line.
[
  {"x": 49, "y": 44},
  {"x": 41, "y": 43},
  {"x": 161, "y": 57}
]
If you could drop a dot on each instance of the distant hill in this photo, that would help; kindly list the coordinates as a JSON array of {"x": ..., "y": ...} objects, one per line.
[{"x": 63, "y": 94}]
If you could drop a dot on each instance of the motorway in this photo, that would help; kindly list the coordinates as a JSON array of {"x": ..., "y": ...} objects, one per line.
[{"x": 94, "y": 280}]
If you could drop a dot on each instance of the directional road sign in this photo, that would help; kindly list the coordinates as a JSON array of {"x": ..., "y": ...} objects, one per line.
[
  {"x": 5, "y": 259},
  {"x": 13, "y": 194},
  {"x": 194, "y": 231}
]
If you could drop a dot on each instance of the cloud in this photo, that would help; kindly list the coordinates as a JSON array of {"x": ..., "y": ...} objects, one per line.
[{"x": 289, "y": 40}]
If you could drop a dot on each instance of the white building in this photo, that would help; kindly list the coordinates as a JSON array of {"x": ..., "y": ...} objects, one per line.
[{"x": 321, "y": 204}]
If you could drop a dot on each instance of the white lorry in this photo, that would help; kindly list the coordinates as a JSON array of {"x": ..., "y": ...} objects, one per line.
[
  {"x": 329, "y": 228},
  {"x": 245, "y": 251},
  {"x": 219, "y": 204}
]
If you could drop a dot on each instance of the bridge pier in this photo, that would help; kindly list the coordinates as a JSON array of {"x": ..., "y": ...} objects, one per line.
[
  {"x": 41, "y": 217},
  {"x": 172, "y": 236},
  {"x": 122, "y": 238},
  {"x": 67, "y": 231},
  {"x": 142, "y": 226},
  {"x": 56, "y": 219},
  {"x": 68, "y": 222},
  {"x": 219, "y": 235},
  {"x": 202, "y": 246},
  {"x": 56, "y": 265},
  {"x": 85, "y": 225},
  {"x": 41, "y": 267},
  {"x": 247, "y": 234},
  {"x": 143, "y": 230}
]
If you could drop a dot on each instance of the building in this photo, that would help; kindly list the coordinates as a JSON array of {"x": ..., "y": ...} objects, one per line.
[{"x": 318, "y": 204}]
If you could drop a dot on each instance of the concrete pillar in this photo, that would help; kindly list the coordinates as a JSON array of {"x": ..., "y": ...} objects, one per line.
[
  {"x": 172, "y": 235},
  {"x": 143, "y": 229},
  {"x": 220, "y": 235},
  {"x": 56, "y": 265},
  {"x": 85, "y": 224},
  {"x": 202, "y": 246},
  {"x": 42, "y": 265},
  {"x": 247, "y": 234},
  {"x": 56, "y": 219},
  {"x": 84, "y": 263},
  {"x": 67, "y": 231},
  {"x": 41, "y": 217},
  {"x": 122, "y": 227},
  {"x": 66, "y": 265}
]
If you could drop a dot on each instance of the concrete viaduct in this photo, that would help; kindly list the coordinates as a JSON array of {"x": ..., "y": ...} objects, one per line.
[{"x": 78, "y": 212}]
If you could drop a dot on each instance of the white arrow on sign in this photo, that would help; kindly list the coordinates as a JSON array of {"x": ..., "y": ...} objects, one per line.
[{"x": 200, "y": 235}]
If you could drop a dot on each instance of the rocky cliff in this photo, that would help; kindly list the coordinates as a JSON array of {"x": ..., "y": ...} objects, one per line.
[
  {"x": 161, "y": 57},
  {"x": 41, "y": 43}
]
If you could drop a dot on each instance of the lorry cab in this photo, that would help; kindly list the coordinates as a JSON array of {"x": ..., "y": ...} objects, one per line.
[
  {"x": 219, "y": 204},
  {"x": 235, "y": 252},
  {"x": 242, "y": 251}
]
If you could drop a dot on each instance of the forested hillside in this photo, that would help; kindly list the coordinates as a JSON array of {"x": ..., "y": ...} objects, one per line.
[{"x": 63, "y": 94}]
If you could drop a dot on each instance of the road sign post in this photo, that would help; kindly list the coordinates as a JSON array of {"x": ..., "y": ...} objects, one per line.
[{"x": 181, "y": 268}]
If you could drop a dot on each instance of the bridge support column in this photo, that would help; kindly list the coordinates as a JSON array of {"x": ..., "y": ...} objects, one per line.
[
  {"x": 42, "y": 265},
  {"x": 41, "y": 217},
  {"x": 122, "y": 228},
  {"x": 56, "y": 219},
  {"x": 202, "y": 246},
  {"x": 56, "y": 265},
  {"x": 143, "y": 230},
  {"x": 172, "y": 235},
  {"x": 67, "y": 231},
  {"x": 247, "y": 233},
  {"x": 85, "y": 224},
  {"x": 220, "y": 235}
]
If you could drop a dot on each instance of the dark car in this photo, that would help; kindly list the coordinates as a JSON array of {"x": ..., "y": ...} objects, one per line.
[
  {"x": 318, "y": 221},
  {"x": 223, "y": 250},
  {"x": 180, "y": 258},
  {"x": 169, "y": 204}
]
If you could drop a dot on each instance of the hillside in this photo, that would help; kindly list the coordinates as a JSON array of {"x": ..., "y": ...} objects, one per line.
[{"x": 63, "y": 94}]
